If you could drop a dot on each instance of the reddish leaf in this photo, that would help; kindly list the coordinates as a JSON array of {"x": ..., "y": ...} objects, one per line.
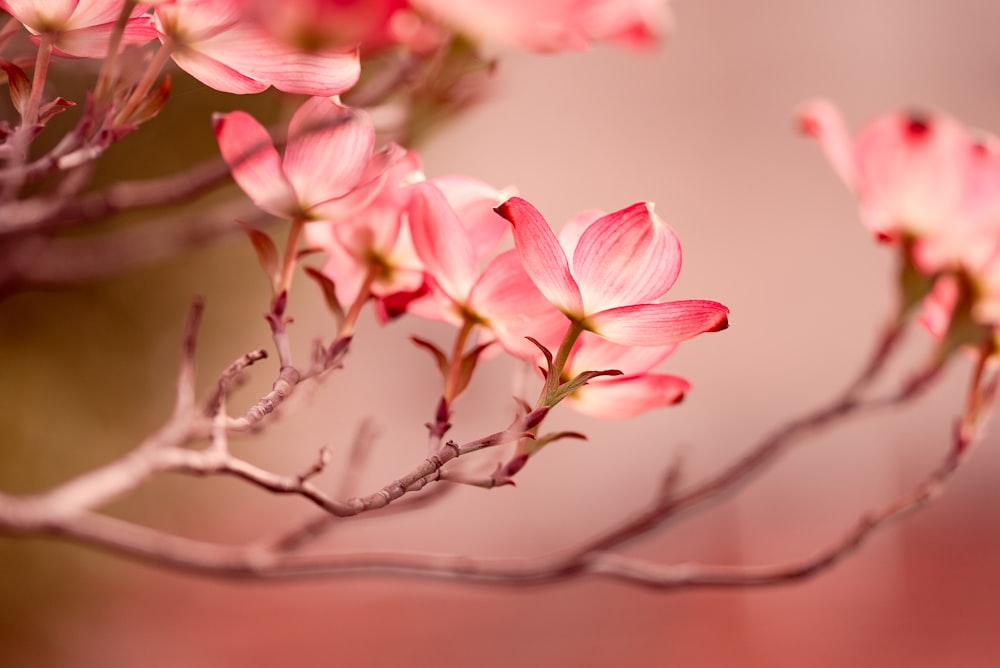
[
  {"x": 439, "y": 357},
  {"x": 19, "y": 84},
  {"x": 267, "y": 251},
  {"x": 329, "y": 292}
]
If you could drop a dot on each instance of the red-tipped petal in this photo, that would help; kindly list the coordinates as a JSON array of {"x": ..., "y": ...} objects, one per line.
[
  {"x": 659, "y": 324},
  {"x": 912, "y": 171},
  {"x": 819, "y": 119},
  {"x": 593, "y": 352},
  {"x": 254, "y": 162},
  {"x": 628, "y": 396},
  {"x": 542, "y": 256}
]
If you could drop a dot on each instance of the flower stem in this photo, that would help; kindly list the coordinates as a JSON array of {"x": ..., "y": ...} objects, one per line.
[
  {"x": 452, "y": 382},
  {"x": 351, "y": 319},
  {"x": 552, "y": 381},
  {"x": 42, "y": 61},
  {"x": 114, "y": 46},
  {"x": 291, "y": 253}
]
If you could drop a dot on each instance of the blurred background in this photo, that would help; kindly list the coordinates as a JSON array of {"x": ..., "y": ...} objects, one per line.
[{"x": 703, "y": 128}]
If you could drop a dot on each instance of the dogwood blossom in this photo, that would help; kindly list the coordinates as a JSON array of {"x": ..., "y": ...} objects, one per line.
[
  {"x": 328, "y": 169},
  {"x": 621, "y": 263},
  {"x": 374, "y": 238},
  {"x": 915, "y": 175},
  {"x": 928, "y": 183}
]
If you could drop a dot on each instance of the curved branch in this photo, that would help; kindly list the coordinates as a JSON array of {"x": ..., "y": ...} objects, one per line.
[{"x": 264, "y": 562}]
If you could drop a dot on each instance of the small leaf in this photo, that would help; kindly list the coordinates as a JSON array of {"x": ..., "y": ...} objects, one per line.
[
  {"x": 579, "y": 381},
  {"x": 56, "y": 106},
  {"x": 307, "y": 251},
  {"x": 329, "y": 289},
  {"x": 439, "y": 357},
  {"x": 468, "y": 365},
  {"x": 533, "y": 446},
  {"x": 151, "y": 104},
  {"x": 18, "y": 83},
  {"x": 267, "y": 251}
]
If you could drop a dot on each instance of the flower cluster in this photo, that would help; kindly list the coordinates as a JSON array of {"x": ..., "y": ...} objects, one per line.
[
  {"x": 585, "y": 308},
  {"x": 429, "y": 247}
]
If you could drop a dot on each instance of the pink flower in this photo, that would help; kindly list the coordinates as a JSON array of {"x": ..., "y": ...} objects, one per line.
[
  {"x": 553, "y": 25},
  {"x": 621, "y": 264},
  {"x": 501, "y": 296},
  {"x": 82, "y": 27},
  {"x": 328, "y": 169},
  {"x": 915, "y": 175},
  {"x": 215, "y": 43},
  {"x": 633, "y": 393},
  {"x": 374, "y": 237}
]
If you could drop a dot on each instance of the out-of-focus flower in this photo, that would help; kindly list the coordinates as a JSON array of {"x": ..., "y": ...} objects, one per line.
[
  {"x": 312, "y": 25},
  {"x": 927, "y": 183},
  {"x": 553, "y": 25},
  {"x": 636, "y": 391},
  {"x": 621, "y": 264},
  {"x": 374, "y": 238},
  {"x": 213, "y": 41},
  {"x": 915, "y": 175},
  {"x": 81, "y": 28},
  {"x": 328, "y": 169}
]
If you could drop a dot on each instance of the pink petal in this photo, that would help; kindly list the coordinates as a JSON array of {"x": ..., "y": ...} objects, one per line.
[
  {"x": 635, "y": 24},
  {"x": 821, "y": 120},
  {"x": 214, "y": 74},
  {"x": 441, "y": 243},
  {"x": 659, "y": 324},
  {"x": 329, "y": 147},
  {"x": 474, "y": 201},
  {"x": 594, "y": 353},
  {"x": 570, "y": 233},
  {"x": 624, "y": 397},
  {"x": 41, "y": 15},
  {"x": 542, "y": 256},
  {"x": 92, "y": 42},
  {"x": 627, "y": 257},
  {"x": 341, "y": 266},
  {"x": 250, "y": 50},
  {"x": 513, "y": 308},
  {"x": 193, "y": 23},
  {"x": 254, "y": 162},
  {"x": 367, "y": 188},
  {"x": 90, "y": 13},
  {"x": 913, "y": 167}
]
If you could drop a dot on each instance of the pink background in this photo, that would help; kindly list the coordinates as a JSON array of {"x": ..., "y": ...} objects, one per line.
[{"x": 703, "y": 129}]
